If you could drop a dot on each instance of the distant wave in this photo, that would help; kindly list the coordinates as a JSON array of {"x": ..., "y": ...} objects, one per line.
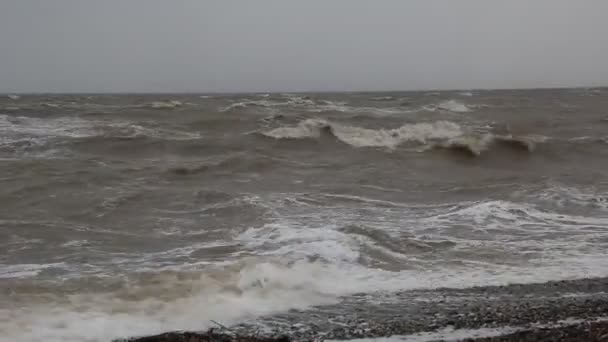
[
  {"x": 75, "y": 105},
  {"x": 50, "y": 105},
  {"x": 165, "y": 104},
  {"x": 450, "y": 106},
  {"x": 364, "y": 137},
  {"x": 382, "y": 98},
  {"x": 265, "y": 101},
  {"x": 476, "y": 144},
  {"x": 569, "y": 197},
  {"x": 13, "y": 97},
  {"x": 18, "y": 132},
  {"x": 432, "y": 135},
  {"x": 305, "y": 103}
]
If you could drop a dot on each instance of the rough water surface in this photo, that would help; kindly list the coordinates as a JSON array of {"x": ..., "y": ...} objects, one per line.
[{"x": 134, "y": 215}]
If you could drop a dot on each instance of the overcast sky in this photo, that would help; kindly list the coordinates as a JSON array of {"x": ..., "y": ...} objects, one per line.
[{"x": 296, "y": 45}]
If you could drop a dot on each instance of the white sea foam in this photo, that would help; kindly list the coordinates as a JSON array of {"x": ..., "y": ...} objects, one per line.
[
  {"x": 288, "y": 101},
  {"x": 13, "y": 97},
  {"x": 75, "y": 243},
  {"x": 66, "y": 127},
  {"x": 173, "y": 301},
  {"x": 453, "y": 106},
  {"x": 38, "y": 130},
  {"x": 443, "y": 134},
  {"x": 364, "y": 137},
  {"x": 564, "y": 196},
  {"x": 24, "y": 270},
  {"x": 229, "y": 294},
  {"x": 51, "y": 105},
  {"x": 166, "y": 104},
  {"x": 305, "y": 258},
  {"x": 382, "y": 98},
  {"x": 475, "y": 144},
  {"x": 329, "y": 106}
]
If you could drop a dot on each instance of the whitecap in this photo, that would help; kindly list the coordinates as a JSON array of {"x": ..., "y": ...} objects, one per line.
[
  {"x": 365, "y": 137},
  {"x": 568, "y": 197},
  {"x": 382, "y": 98},
  {"x": 25, "y": 270},
  {"x": 304, "y": 259},
  {"x": 453, "y": 106},
  {"x": 166, "y": 104}
]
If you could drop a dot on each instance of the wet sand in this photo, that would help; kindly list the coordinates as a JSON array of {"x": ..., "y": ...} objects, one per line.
[{"x": 555, "y": 311}]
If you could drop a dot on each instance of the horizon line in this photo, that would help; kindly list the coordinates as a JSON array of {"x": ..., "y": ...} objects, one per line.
[{"x": 299, "y": 92}]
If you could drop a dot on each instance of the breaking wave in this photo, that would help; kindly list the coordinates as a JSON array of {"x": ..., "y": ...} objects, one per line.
[
  {"x": 364, "y": 137},
  {"x": 439, "y": 134},
  {"x": 147, "y": 303},
  {"x": 382, "y": 98},
  {"x": 570, "y": 197},
  {"x": 265, "y": 101},
  {"x": 449, "y": 106},
  {"x": 26, "y": 132},
  {"x": 306, "y": 259},
  {"x": 165, "y": 104},
  {"x": 476, "y": 144},
  {"x": 152, "y": 303},
  {"x": 305, "y": 103}
]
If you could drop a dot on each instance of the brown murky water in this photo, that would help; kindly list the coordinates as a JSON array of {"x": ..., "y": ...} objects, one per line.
[{"x": 136, "y": 214}]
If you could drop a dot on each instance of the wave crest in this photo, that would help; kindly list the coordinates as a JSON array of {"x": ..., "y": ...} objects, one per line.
[
  {"x": 476, "y": 144},
  {"x": 449, "y": 106},
  {"x": 432, "y": 135},
  {"x": 365, "y": 137},
  {"x": 165, "y": 104}
]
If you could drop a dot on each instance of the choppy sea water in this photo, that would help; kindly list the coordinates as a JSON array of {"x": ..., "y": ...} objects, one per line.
[{"x": 125, "y": 215}]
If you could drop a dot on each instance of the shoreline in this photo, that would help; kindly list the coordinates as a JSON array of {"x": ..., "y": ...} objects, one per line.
[{"x": 571, "y": 310}]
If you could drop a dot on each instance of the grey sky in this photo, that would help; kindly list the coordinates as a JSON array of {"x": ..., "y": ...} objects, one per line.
[{"x": 289, "y": 45}]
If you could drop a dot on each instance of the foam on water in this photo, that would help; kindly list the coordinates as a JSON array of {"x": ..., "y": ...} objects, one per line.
[
  {"x": 66, "y": 127},
  {"x": 474, "y": 144},
  {"x": 25, "y": 270},
  {"x": 289, "y": 102},
  {"x": 382, "y": 98},
  {"x": 567, "y": 197},
  {"x": 453, "y": 106},
  {"x": 438, "y": 134},
  {"x": 364, "y": 137},
  {"x": 166, "y": 104},
  {"x": 15, "y": 129},
  {"x": 171, "y": 301},
  {"x": 303, "y": 258},
  {"x": 342, "y": 107},
  {"x": 189, "y": 301},
  {"x": 286, "y": 101},
  {"x": 466, "y": 93}
]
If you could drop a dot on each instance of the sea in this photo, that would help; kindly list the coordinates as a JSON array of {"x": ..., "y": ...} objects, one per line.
[{"x": 135, "y": 214}]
